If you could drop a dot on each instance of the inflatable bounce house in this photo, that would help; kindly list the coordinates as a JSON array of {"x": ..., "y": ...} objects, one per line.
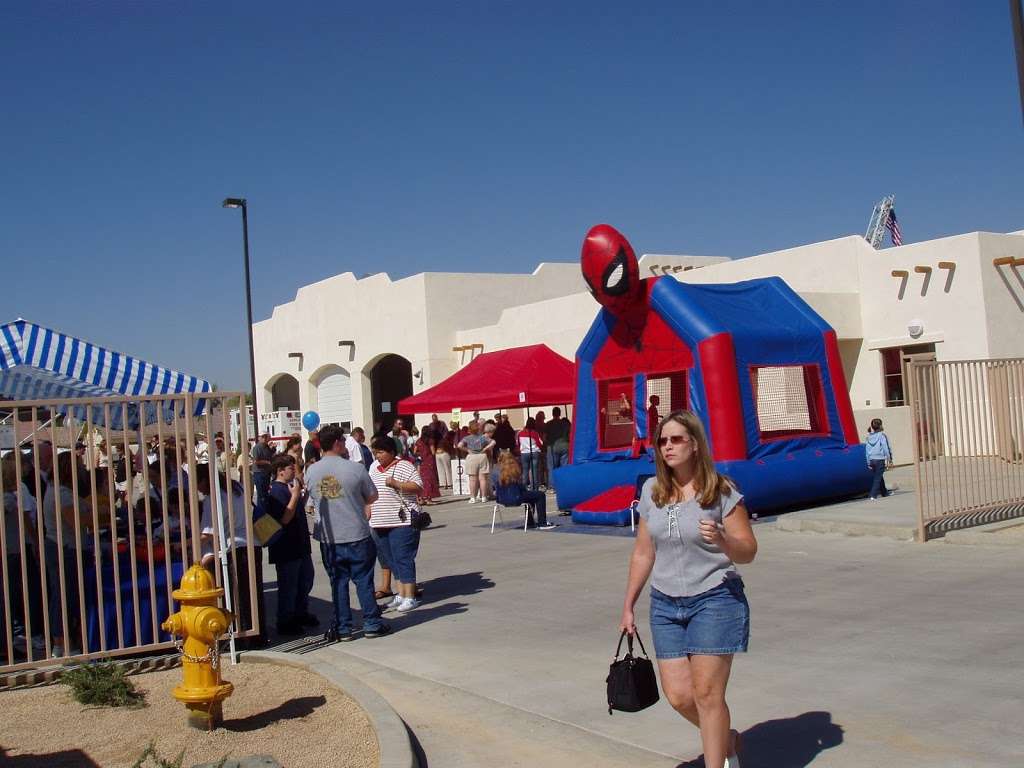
[{"x": 758, "y": 366}]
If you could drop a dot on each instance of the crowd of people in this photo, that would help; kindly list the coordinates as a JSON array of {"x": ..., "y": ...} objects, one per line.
[{"x": 92, "y": 502}]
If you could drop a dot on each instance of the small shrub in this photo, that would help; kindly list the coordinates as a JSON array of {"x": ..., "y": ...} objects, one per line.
[
  {"x": 104, "y": 685},
  {"x": 158, "y": 761}
]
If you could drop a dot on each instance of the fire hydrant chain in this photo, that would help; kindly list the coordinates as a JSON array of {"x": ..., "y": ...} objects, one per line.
[{"x": 212, "y": 655}]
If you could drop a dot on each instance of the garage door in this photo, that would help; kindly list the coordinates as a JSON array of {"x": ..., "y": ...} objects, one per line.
[{"x": 334, "y": 398}]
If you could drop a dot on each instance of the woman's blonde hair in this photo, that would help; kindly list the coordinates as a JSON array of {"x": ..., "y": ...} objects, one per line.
[
  {"x": 708, "y": 483},
  {"x": 509, "y": 471}
]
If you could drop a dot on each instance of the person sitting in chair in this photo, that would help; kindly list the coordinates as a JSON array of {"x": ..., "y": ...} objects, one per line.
[{"x": 511, "y": 491}]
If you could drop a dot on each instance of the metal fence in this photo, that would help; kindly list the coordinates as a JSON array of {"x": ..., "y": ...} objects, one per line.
[
  {"x": 101, "y": 517},
  {"x": 968, "y": 432}
]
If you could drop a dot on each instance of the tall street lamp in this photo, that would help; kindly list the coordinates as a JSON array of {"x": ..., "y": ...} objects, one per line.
[{"x": 239, "y": 202}]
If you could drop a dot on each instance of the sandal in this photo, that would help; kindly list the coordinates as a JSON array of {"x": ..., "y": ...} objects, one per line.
[{"x": 380, "y": 594}]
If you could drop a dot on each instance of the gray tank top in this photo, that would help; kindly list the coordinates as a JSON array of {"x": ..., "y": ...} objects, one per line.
[{"x": 684, "y": 565}]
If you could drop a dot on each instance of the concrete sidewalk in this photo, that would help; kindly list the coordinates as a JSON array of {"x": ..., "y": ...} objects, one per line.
[
  {"x": 865, "y": 651},
  {"x": 893, "y": 517}
]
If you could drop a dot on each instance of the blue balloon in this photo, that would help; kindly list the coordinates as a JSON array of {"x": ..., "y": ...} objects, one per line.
[{"x": 311, "y": 420}]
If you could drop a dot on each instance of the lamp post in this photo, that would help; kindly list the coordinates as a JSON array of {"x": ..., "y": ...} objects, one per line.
[{"x": 239, "y": 202}]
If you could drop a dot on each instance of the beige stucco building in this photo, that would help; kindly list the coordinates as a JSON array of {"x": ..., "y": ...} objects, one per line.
[{"x": 350, "y": 348}]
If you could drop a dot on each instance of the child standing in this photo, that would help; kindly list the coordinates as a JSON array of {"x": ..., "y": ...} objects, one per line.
[{"x": 879, "y": 457}]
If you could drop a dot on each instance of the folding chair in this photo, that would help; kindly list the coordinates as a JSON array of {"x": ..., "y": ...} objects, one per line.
[{"x": 496, "y": 514}]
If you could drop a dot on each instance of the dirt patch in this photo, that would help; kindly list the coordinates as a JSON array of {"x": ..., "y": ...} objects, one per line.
[{"x": 291, "y": 714}]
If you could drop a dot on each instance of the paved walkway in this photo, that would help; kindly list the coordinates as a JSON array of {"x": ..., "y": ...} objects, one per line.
[{"x": 865, "y": 651}]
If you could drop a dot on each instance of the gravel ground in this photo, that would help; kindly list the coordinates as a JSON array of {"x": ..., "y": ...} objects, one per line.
[{"x": 291, "y": 714}]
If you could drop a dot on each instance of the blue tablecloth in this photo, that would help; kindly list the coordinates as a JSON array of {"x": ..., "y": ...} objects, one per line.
[{"x": 146, "y": 608}]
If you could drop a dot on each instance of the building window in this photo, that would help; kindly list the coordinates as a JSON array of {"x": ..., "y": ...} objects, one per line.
[
  {"x": 893, "y": 360},
  {"x": 790, "y": 401},
  {"x": 668, "y": 391},
  {"x": 615, "y": 398}
]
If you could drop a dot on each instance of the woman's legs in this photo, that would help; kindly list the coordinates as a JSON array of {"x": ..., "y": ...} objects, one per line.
[
  {"x": 485, "y": 483},
  {"x": 680, "y": 679},
  {"x": 710, "y": 675},
  {"x": 677, "y": 685},
  {"x": 405, "y": 543}
]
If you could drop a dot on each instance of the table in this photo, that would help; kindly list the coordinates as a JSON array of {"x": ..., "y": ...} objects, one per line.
[{"x": 146, "y": 607}]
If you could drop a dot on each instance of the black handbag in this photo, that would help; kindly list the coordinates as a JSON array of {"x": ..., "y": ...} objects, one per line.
[{"x": 632, "y": 685}]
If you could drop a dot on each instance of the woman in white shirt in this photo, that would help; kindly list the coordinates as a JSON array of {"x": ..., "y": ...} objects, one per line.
[{"x": 398, "y": 486}]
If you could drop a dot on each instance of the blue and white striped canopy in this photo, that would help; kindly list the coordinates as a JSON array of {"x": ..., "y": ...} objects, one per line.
[{"x": 38, "y": 363}]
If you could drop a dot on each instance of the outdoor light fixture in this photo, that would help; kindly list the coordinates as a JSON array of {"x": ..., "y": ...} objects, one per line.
[{"x": 239, "y": 202}]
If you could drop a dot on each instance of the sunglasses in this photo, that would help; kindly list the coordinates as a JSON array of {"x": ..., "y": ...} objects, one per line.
[{"x": 674, "y": 439}]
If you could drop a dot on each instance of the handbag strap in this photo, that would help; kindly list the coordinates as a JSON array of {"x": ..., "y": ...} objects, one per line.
[{"x": 629, "y": 643}]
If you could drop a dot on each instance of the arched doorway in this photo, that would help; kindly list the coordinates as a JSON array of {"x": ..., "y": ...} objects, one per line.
[
  {"x": 390, "y": 381},
  {"x": 333, "y": 387},
  {"x": 285, "y": 393}
]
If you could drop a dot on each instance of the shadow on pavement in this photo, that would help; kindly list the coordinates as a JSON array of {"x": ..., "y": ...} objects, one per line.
[
  {"x": 402, "y": 621},
  {"x": 289, "y": 710},
  {"x": 454, "y": 585},
  {"x": 71, "y": 758},
  {"x": 789, "y": 742}
]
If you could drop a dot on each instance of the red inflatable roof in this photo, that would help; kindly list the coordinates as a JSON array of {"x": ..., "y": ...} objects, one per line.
[{"x": 510, "y": 378}]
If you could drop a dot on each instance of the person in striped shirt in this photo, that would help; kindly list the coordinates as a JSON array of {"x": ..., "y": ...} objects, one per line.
[{"x": 398, "y": 486}]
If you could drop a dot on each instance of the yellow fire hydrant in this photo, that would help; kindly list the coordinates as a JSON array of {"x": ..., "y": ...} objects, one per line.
[{"x": 201, "y": 623}]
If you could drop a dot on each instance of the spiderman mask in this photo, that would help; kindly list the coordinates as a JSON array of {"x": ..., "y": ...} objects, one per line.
[{"x": 610, "y": 268}]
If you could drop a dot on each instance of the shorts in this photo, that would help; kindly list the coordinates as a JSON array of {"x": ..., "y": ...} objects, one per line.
[
  {"x": 713, "y": 623},
  {"x": 396, "y": 550},
  {"x": 477, "y": 463}
]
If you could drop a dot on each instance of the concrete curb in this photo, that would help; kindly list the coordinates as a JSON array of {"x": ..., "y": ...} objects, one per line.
[
  {"x": 795, "y": 524},
  {"x": 992, "y": 535},
  {"x": 392, "y": 734}
]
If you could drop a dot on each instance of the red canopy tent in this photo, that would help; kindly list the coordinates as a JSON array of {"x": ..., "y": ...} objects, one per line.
[{"x": 510, "y": 378}]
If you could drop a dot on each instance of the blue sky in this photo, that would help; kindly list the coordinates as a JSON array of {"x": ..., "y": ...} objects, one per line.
[{"x": 410, "y": 136}]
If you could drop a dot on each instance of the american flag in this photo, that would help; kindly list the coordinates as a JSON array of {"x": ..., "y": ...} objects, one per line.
[{"x": 894, "y": 228}]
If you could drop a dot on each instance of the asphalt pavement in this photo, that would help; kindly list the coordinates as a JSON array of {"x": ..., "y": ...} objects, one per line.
[{"x": 864, "y": 651}]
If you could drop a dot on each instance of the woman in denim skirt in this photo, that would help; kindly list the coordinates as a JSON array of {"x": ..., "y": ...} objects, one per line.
[{"x": 693, "y": 530}]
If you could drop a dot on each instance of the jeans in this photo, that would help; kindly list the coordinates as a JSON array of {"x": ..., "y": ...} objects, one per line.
[
  {"x": 878, "y": 488},
  {"x": 539, "y": 500},
  {"x": 294, "y": 582},
  {"x": 557, "y": 457},
  {"x": 352, "y": 561},
  {"x": 241, "y": 583},
  {"x": 397, "y": 549},
  {"x": 531, "y": 468},
  {"x": 262, "y": 482}
]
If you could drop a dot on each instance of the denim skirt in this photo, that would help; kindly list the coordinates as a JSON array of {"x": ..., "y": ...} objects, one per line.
[{"x": 713, "y": 623}]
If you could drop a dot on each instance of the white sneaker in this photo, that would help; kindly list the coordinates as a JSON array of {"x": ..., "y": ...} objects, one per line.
[
  {"x": 408, "y": 604},
  {"x": 471, "y": 500},
  {"x": 394, "y": 602},
  {"x": 733, "y": 760}
]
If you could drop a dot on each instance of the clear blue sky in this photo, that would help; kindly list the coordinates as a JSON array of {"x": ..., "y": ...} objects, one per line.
[{"x": 414, "y": 136}]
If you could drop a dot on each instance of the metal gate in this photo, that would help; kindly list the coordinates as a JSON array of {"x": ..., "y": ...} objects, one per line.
[
  {"x": 107, "y": 502},
  {"x": 968, "y": 434}
]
